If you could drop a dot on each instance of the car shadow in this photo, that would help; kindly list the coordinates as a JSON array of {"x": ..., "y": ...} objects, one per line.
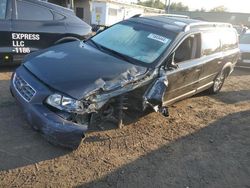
[
  {"x": 228, "y": 97},
  {"x": 215, "y": 156},
  {"x": 129, "y": 117},
  {"x": 9, "y": 68},
  {"x": 232, "y": 97},
  {"x": 20, "y": 145}
]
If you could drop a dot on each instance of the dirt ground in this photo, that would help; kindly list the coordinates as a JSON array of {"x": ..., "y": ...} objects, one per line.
[{"x": 204, "y": 143}]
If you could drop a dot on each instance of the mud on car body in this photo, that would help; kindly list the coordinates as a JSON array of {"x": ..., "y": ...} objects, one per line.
[
  {"x": 143, "y": 62},
  {"x": 30, "y": 25}
]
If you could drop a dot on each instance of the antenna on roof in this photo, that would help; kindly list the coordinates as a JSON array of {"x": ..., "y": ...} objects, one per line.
[{"x": 136, "y": 15}]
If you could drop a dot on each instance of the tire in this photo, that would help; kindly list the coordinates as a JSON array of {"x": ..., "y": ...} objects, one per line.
[{"x": 218, "y": 82}]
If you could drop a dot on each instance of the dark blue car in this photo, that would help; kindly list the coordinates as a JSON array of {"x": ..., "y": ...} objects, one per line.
[{"x": 140, "y": 63}]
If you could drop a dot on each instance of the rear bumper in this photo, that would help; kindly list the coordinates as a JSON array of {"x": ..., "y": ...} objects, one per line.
[{"x": 54, "y": 128}]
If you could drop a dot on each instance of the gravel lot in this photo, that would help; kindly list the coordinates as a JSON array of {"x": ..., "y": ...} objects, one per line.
[{"x": 204, "y": 143}]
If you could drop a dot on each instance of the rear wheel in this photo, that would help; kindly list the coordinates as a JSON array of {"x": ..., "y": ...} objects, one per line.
[{"x": 218, "y": 82}]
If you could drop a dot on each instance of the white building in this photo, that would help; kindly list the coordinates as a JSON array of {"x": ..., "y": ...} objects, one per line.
[{"x": 105, "y": 12}]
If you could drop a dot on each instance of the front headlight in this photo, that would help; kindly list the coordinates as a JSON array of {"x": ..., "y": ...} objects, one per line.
[{"x": 64, "y": 103}]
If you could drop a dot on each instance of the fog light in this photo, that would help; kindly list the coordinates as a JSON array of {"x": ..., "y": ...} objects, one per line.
[{"x": 6, "y": 57}]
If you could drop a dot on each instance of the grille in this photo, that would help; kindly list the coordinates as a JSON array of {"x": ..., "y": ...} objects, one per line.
[
  {"x": 245, "y": 55},
  {"x": 23, "y": 88}
]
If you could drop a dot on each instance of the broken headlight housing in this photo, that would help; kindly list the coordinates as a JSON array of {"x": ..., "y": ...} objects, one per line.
[{"x": 64, "y": 103}]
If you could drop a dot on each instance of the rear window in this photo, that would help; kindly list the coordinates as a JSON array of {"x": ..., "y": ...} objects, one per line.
[
  {"x": 30, "y": 11},
  {"x": 210, "y": 43},
  {"x": 3, "y": 5},
  {"x": 229, "y": 39}
]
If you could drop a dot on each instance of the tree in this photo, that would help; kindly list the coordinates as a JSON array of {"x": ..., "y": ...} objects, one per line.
[
  {"x": 221, "y": 8},
  {"x": 178, "y": 7},
  {"x": 152, "y": 3},
  {"x": 200, "y": 10}
]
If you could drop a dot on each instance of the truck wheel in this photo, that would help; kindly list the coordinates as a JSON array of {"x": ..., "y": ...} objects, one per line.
[{"x": 218, "y": 82}]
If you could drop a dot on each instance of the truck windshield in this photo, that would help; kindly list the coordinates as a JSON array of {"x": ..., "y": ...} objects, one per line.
[
  {"x": 137, "y": 41},
  {"x": 3, "y": 4}
]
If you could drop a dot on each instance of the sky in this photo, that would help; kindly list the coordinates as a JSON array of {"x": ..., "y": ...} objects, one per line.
[{"x": 231, "y": 5}]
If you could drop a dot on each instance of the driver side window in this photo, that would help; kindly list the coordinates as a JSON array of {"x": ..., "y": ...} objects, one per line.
[{"x": 189, "y": 49}]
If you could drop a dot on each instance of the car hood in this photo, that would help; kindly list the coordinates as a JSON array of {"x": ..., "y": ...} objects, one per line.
[
  {"x": 244, "y": 47},
  {"x": 78, "y": 69}
]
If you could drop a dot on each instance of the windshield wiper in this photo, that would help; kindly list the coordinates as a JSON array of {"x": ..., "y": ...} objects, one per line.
[
  {"x": 113, "y": 52},
  {"x": 98, "y": 46},
  {"x": 119, "y": 55}
]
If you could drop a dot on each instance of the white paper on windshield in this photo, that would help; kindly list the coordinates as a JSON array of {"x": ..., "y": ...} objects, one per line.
[{"x": 158, "y": 38}]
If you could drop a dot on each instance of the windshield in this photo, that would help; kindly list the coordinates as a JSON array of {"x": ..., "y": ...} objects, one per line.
[
  {"x": 138, "y": 41},
  {"x": 245, "y": 39}
]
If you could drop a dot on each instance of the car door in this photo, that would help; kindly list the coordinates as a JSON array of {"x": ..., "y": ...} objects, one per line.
[
  {"x": 34, "y": 27},
  {"x": 212, "y": 57},
  {"x": 5, "y": 31},
  {"x": 184, "y": 75}
]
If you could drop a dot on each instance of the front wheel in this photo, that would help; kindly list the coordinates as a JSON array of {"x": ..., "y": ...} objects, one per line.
[{"x": 218, "y": 83}]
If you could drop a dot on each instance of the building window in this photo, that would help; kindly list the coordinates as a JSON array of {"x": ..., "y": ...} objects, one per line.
[
  {"x": 112, "y": 12},
  {"x": 80, "y": 12}
]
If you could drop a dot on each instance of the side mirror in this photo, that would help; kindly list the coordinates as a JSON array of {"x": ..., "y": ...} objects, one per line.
[
  {"x": 99, "y": 29},
  {"x": 170, "y": 64}
]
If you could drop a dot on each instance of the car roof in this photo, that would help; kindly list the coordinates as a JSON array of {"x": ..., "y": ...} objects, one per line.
[
  {"x": 52, "y": 6},
  {"x": 175, "y": 23}
]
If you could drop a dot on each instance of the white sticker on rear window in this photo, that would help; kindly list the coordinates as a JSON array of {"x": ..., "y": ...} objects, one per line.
[{"x": 158, "y": 38}]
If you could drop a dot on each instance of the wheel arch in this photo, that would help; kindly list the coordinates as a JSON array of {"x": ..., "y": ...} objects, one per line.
[{"x": 227, "y": 68}]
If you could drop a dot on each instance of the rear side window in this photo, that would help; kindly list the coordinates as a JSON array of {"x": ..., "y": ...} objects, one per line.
[
  {"x": 210, "y": 43},
  {"x": 3, "y": 5},
  {"x": 30, "y": 11},
  {"x": 229, "y": 39}
]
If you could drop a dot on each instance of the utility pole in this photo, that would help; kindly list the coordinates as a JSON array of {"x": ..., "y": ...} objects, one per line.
[
  {"x": 167, "y": 6},
  {"x": 169, "y": 3},
  {"x": 72, "y": 4}
]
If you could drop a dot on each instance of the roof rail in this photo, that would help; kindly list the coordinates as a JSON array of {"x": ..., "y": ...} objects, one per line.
[
  {"x": 167, "y": 15},
  {"x": 206, "y": 24},
  {"x": 135, "y": 16},
  {"x": 176, "y": 15}
]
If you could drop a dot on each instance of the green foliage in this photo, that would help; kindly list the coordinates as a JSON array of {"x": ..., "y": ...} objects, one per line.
[
  {"x": 152, "y": 3},
  {"x": 200, "y": 10},
  {"x": 158, "y": 4},
  {"x": 221, "y": 8},
  {"x": 178, "y": 7}
]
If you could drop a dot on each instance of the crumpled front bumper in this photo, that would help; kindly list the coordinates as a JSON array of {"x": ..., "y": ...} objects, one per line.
[{"x": 54, "y": 128}]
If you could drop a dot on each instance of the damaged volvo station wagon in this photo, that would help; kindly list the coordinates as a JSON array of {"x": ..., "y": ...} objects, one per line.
[{"x": 145, "y": 62}]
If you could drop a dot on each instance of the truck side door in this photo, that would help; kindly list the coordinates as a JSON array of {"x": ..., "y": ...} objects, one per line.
[
  {"x": 34, "y": 27},
  {"x": 183, "y": 79},
  {"x": 5, "y": 31}
]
